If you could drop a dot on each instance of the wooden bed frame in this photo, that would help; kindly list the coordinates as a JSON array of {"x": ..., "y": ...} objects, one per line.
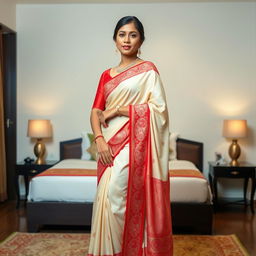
[{"x": 186, "y": 217}]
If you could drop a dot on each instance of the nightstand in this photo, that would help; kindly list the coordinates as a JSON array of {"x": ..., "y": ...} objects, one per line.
[
  {"x": 29, "y": 170},
  {"x": 245, "y": 171}
]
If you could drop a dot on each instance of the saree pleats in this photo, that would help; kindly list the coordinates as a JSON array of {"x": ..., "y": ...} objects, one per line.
[{"x": 109, "y": 208}]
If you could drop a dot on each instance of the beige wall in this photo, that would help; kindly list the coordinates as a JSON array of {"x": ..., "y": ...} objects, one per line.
[
  {"x": 8, "y": 13},
  {"x": 205, "y": 52}
]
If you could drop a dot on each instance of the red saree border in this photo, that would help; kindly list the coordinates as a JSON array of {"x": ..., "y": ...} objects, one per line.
[
  {"x": 133, "y": 71},
  {"x": 136, "y": 205},
  {"x": 148, "y": 198},
  {"x": 158, "y": 212},
  {"x": 159, "y": 228},
  {"x": 117, "y": 143}
]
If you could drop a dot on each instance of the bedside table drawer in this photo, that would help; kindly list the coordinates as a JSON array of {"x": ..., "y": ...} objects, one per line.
[
  {"x": 33, "y": 172},
  {"x": 234, "y": 172}
]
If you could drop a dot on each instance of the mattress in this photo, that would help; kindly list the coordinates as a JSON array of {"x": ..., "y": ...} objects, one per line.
[{"x": 83, "y": 188}]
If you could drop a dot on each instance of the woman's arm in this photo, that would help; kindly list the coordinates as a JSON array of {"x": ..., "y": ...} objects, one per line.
[
  {"x": 111, "y": 113},
  {"x": 104, "y": 151},
  {"x": 95, "y": 122},
  {"x": 98, "y": 118},
  {"x": 122, "y": 110}
]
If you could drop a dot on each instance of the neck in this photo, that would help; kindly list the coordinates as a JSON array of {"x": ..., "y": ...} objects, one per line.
[{"x": 125, "y": 60}]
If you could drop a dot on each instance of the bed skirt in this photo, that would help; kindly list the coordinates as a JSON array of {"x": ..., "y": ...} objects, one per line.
[{"x": 196, "y": 218}]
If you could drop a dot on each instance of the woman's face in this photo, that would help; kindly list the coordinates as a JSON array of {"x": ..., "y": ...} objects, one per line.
[{"x": 128, "y": 40}]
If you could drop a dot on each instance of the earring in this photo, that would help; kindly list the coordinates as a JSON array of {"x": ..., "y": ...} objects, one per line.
[{"x": 139, "y": 52}]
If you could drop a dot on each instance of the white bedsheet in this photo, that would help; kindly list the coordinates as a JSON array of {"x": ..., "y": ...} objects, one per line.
[{"x": 83, "y": 189}]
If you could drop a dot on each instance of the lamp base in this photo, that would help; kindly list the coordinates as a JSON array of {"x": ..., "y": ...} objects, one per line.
[
  {"x": 234, "y": 163},
  {"x": 234, "y": 153},
  {"x": 40, "y": 161},
  {"x": 39, "y": 150}
]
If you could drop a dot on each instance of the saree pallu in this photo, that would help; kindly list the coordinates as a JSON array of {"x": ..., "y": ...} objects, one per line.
[{"x": 131, "y": 212}]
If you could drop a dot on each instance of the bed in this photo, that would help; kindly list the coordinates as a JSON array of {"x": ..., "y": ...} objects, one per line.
[{"x": 190, "y": 217}]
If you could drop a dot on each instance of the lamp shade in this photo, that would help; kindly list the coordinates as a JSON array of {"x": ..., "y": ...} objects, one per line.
[
  {"x": 39, "y": 129},
  {"x": 234, "y": 129}
]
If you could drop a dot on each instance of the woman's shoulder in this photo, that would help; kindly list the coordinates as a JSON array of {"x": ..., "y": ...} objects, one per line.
[
  {"x": 150, "y": 65},
  {"x": 105, "y": 72},
  {"x": 105, "y": 75}
]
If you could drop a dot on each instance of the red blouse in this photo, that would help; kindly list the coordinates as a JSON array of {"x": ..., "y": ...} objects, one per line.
[{"x": 99, "y": 101}]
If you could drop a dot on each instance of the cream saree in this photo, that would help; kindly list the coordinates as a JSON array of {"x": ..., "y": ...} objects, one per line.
[{"x": 131, "y": 212}]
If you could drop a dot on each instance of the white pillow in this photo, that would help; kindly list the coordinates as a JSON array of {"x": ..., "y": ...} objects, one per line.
[
  {"x": 172, "y": 146},
  {"x": 86, "y": 143}
]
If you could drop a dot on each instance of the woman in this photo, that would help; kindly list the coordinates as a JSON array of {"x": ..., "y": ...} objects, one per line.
[{"x": 129, "y": 118}]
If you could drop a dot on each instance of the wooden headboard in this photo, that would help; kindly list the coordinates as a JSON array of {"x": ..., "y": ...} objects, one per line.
[{"x": 186, "y": 150}]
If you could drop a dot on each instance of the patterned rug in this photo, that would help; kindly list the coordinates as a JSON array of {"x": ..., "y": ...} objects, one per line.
[{"x": 63, "y": 244}]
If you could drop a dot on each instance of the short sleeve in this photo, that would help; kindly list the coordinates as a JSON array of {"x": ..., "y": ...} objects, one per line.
[{"x": 99, "y": 101}]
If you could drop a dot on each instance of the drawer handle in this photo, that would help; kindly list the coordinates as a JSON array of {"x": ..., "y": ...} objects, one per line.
[
  {"x": 235, "y": 172},
  {"x": 33, "y": 171}
]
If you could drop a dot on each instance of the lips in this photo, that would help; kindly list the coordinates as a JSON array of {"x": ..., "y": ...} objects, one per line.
[{"x": 126, "y": 47}]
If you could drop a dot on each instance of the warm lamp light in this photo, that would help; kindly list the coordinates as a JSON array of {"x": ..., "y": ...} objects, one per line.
[
  {"x": 39, "y": 129},
  {"x": 234, "y": 129}
]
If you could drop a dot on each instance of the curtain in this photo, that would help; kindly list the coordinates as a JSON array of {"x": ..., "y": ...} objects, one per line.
[{"x": 3, "y": 179}]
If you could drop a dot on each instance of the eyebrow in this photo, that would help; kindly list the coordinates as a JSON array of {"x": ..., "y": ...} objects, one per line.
[{"x": 129, "y": 31}]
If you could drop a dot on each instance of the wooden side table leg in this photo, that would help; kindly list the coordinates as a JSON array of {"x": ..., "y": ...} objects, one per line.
[
  {"x": 210, "y": 181},
  {"x": 215, "y": 190},
  {"x": 17, "y": 188},
  {"x": 245, "y": 188},
  {"x": 26, "y": 186},
  {"x": 252, "y": 194}
]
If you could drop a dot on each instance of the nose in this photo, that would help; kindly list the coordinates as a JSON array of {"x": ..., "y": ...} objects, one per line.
[{"x": 127, "y": 39}]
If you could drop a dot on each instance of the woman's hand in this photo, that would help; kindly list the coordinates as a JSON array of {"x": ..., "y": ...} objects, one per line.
[
  {"x": 104, "y": 151},
  {"x": 106, "y": 115},
  {"x": 102, "y": 118}
]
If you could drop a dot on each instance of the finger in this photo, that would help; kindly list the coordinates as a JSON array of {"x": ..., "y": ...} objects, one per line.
[
  {"x": 111, "y": 152},
  {"x": 104, "y": 161},
  {"x": 100, "y": 158},
  {"x": 105, "y": 124},
  {"x": 107, "y": 157},
  {"x": 110, "y": 158}
]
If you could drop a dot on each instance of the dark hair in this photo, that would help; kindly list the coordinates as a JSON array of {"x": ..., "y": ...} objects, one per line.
[{"x": 127, "y": 20}]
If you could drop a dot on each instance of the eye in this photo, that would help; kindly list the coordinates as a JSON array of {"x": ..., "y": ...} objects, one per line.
[
  {"x": 134, "y": 35},
  {"x": 121, "y": 34}
]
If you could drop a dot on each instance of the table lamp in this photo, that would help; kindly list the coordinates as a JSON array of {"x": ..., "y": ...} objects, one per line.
[
  {"x": 39, "y": 129},
  {"x": 234, "y": 129}
]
